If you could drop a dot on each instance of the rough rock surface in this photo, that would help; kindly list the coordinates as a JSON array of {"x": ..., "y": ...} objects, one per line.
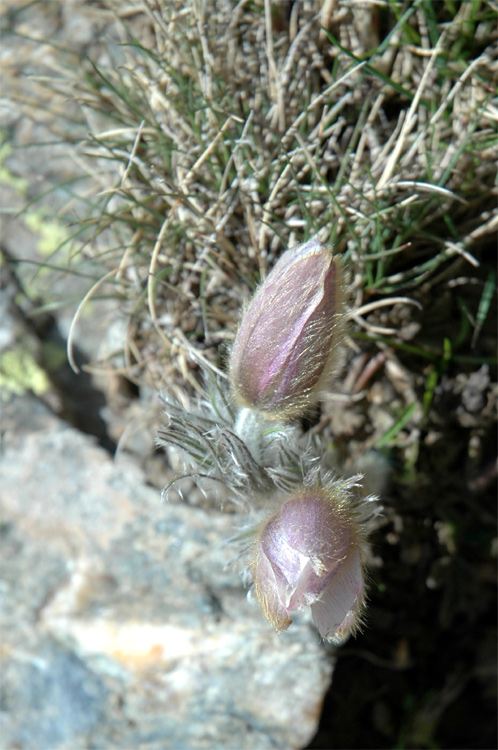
[{"x": 122, "y": 625}]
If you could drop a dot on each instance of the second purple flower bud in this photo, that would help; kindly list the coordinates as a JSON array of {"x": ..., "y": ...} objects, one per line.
[{"x": 311, "y": 552}]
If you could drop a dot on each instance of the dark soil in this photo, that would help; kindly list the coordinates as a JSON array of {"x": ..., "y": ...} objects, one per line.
[{"x": 423, "y": 673}]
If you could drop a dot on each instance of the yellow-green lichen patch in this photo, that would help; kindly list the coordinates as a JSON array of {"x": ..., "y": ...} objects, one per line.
[{"x": 19, "y": 372}]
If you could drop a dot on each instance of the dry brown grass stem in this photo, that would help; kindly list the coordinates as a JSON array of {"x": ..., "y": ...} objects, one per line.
[
  {"x": 410, "y": 119},
  {"x": 151, "y": 279},
  {"x": 70, "y": 337}
]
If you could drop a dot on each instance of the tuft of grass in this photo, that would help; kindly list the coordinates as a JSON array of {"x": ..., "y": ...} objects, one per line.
[{"x": 216, "y": 140}]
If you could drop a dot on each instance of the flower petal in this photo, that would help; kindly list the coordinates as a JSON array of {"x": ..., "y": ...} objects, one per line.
[
  {"x": 337, "y": 610},
  {"x": 314, "y": 527},
  {"x": 267, "y": 589}
]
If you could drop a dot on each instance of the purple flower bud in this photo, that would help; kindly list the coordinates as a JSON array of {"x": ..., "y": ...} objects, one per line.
[
  {"x": 286, "y": 345},
  {"x": 310, "y": 553}
]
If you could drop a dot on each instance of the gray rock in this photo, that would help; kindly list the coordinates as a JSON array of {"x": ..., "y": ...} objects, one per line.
[{"x": 123, "y": 622}]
